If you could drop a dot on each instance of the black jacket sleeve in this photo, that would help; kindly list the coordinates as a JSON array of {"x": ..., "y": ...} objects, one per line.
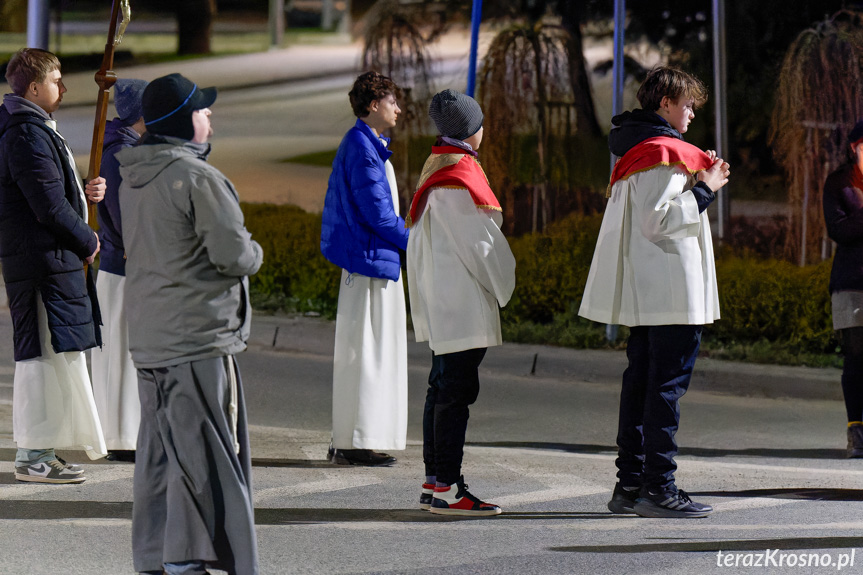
[{"x": 34, "y": 166}]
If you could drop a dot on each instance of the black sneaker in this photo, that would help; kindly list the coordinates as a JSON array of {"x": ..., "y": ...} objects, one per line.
[
  {"x": 669, "y": 504},
  {"x": 365, "y": 457},
  {"x": 623, "y": 500},
  {"x": 124, "y": 455},
  {"x": 855, "y": 441}
]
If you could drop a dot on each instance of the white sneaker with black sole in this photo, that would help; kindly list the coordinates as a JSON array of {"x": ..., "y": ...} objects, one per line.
[{"x": 48, "y": 472}]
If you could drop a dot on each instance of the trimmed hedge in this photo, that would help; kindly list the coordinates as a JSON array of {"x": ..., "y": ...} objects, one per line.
[
  {"x": 774, "y": 301},
  {"x": 294, "y": 276},
  {"x": 765, "y": 304}
]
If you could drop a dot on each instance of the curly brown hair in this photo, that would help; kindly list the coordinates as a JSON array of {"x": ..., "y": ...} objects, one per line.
[
  {"x": 672, "y": 82},
  {"x": 29, "y": 65},
  {"x": 367, "y": 88}
]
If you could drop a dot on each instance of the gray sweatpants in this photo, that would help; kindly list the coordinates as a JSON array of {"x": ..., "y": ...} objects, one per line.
[{"x": 193, "y": 481}]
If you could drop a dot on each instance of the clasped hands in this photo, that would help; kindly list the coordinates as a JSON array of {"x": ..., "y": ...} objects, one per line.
[{"x": 716, "y": 176}]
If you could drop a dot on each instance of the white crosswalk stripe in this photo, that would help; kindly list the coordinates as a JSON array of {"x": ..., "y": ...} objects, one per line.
[{"x": 332, "y": 482}]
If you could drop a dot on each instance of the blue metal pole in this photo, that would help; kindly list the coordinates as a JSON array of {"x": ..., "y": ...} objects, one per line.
[
  {"x": 720, "y": 91},
  {"x": 617, "y": 69},
  {"x": 619, "y": 28},
  {"x": 475, "y": 17},
  {"x": 38, "y": 15},
  {"x": 617, "y": 96}
]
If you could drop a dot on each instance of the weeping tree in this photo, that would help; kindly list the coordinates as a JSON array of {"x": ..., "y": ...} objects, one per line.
[
  {"x": 397, "y": 37},
  {"x": 534, "y": 161},
  {"x": 820, "y": 97}
]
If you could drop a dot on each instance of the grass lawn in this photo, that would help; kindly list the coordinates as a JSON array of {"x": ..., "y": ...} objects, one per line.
[
  {"x": 141, "y": 47},
  {"x": 322, "y": 159}
]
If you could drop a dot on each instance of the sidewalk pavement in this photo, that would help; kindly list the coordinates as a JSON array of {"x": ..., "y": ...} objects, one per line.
[
  {"x": 314, "y": 336},
  {"x": 292, "y": 64}
]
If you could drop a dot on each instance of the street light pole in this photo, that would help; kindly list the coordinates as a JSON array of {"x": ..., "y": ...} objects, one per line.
[
  {"x": 619, "y": 29},
  {"x": 475, "y": 17},
  {"x": 327, "y": 18},
  {"x": 617, "y": 97},
  {"x": 38, "y": 19},
  {"x": 277, "y": 23},
  {"x": 720, "y": 91}
]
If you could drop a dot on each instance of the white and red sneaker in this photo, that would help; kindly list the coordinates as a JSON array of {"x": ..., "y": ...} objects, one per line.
[
  {"x": 457, "y": 500},
  {"x": 427, "y": 495}
]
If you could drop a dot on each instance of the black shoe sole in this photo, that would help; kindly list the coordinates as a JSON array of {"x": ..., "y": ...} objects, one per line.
[
  {"x": 339, "y": 458},
  {"x": 646, "y": 508},
  {"x": 621, "y": 507}
]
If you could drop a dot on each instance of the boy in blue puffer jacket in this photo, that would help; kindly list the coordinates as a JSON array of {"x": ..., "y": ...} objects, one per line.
[{"x": 363, "y": 234}]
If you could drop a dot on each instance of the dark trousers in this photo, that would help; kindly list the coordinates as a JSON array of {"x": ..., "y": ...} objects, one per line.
[
  {"x": 661, "y": 359},
  {"x": 192, "y": 490},
  {"x": 852, "y": 372},
  {"x": 453, "y": 386}
]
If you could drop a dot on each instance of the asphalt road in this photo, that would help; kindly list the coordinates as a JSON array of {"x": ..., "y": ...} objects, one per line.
[{"x": 539, "y": 445}]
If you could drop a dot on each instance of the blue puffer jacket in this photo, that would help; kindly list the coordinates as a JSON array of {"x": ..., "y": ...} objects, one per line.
[
  {"x": 361, "y": 231},
  {"x": 43, "y": 238}
]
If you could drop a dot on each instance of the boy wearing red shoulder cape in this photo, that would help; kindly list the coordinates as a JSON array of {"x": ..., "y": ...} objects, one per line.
[
  {"x": 653, "y": 271},
  {"x": 460, "y": 269}
]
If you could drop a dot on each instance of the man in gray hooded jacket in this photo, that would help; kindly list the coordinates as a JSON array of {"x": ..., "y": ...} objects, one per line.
[{"x": 188, "y": 258}]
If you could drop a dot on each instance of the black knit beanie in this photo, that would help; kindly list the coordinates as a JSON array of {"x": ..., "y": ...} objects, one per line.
[{"x": 455, "y": 115}]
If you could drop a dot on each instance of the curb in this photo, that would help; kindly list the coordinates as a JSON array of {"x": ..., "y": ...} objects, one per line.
[{"x": 305, "y": 335}]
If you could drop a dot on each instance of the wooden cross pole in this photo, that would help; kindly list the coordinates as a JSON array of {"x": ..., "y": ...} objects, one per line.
[{"x": 105, "y": 78}]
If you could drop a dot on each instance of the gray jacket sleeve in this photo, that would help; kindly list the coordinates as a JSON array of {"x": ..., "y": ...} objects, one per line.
[{"x": 219, "y": 224}]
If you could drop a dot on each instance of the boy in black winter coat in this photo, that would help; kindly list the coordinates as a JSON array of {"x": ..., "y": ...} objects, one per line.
[{"x": 44, "y": 242}]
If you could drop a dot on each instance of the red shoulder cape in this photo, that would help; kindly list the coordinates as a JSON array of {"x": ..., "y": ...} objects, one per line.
[
  {"x": 449, "y": 166},
  {"x": 659, "y": 151}
]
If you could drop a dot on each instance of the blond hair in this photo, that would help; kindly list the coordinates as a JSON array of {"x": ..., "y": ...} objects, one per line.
[
  {"x": 29, "y": 65},
  {"x": 671, "y": 82}
]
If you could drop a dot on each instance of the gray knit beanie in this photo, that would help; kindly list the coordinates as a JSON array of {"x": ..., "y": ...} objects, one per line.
[
  {"x": 455, "y": 115},
  {"x": 127, "y": 99}
]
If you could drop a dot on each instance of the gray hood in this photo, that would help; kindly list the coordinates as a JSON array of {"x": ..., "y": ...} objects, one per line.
[
  {"x": 18, "y": 105},
  {"x": 139, "y": 165}
]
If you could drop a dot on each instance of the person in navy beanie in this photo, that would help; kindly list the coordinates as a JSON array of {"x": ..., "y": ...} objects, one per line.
[
  {"x": 189, "y": 256},
  {"x": 843, "y": 215},
  {"x": 115, "y": 383}
]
